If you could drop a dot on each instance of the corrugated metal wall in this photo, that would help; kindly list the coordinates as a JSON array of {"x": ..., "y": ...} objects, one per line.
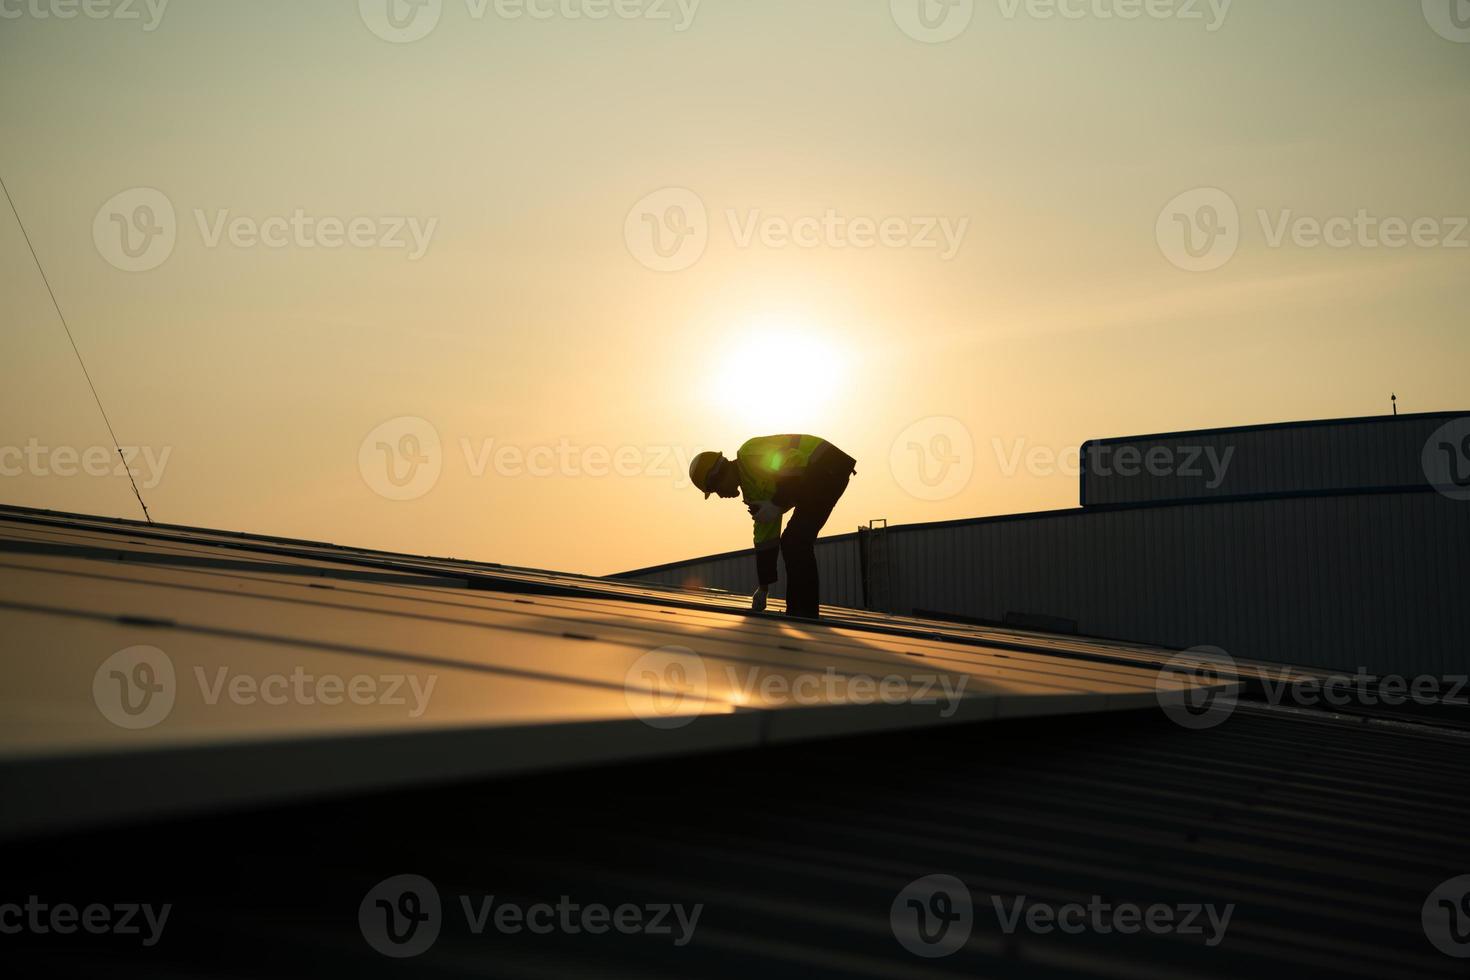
[
  {"x": 837, "y": 564},
  {"x": 1347, "y": 454},
  {"x": 1373, "y": 580}
]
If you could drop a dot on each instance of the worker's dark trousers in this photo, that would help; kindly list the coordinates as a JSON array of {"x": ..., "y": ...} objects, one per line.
[{"x": 821, "y": 488}]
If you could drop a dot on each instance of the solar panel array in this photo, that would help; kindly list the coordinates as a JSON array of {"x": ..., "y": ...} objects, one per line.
[{"x": 158, "y": 668}]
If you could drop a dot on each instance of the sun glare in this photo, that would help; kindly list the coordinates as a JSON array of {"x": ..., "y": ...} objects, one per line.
[{"x": 778, "y": 376}]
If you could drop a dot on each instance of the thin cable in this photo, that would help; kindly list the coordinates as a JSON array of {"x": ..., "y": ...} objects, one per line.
[{"x": 76, "y": 350}]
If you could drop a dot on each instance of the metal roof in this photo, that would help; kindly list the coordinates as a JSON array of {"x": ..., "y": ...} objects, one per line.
[
  {"x": 544, "y": 771},
  {"x": 1325, "y": 836},
  {"x": 1276, "y": 426}
]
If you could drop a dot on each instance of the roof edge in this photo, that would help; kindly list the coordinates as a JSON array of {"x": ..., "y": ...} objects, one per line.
[{"x": 1269, "y": 426}]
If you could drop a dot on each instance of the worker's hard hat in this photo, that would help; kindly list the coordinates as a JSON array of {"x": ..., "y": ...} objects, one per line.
[{"x": 702, "y": 471}]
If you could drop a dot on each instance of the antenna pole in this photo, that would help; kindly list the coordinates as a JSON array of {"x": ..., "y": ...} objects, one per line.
[{"x": 75, "y": 350}]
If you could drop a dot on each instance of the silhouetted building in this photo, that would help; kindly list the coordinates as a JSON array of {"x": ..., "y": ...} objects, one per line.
[{"x": 1322, "y": 543}]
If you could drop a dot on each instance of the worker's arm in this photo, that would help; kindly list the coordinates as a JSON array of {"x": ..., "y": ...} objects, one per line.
[
  {"x": 767, "y": 541},
  {"x": 764, "y": 472}
]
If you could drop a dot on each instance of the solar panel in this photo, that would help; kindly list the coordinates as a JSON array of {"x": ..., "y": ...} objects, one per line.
[{"x": 156, "y": 669}]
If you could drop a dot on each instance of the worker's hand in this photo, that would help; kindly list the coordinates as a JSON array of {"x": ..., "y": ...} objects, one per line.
[
  {"x": 765, "y": 511},
  {"x": 758, "y": 601}
]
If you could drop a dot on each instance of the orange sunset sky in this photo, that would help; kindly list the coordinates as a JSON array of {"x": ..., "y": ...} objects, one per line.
[{"x": 571, "y": 252}]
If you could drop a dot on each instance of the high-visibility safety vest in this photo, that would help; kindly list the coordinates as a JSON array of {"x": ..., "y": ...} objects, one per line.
[{"x": 771, "y": 468}]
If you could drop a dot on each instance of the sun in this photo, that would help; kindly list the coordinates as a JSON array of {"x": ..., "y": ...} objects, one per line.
[{"x": 778, "y": 375}]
